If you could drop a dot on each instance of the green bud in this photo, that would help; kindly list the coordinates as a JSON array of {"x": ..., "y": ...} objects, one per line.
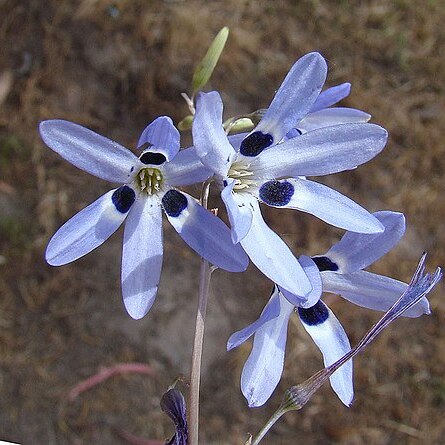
[
  {"x": 205, "y": 68},
  {"x": 186, "y": 123},
  {"x": 241, "y": 125}
]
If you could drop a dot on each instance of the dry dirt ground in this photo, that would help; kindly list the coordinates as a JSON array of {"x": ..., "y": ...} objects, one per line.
[{"x": 114, "y": 66}]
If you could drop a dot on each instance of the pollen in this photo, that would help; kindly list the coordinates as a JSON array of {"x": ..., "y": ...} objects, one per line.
[{"x": 149, "y": 180}]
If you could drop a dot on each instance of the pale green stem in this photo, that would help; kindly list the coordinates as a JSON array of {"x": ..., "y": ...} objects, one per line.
[
  {"x": 270, "y": 423},
  {"x": 195, "y": 375}
]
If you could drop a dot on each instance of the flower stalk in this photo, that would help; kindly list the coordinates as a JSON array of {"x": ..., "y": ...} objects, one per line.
[{"x": 195, "y": 374}]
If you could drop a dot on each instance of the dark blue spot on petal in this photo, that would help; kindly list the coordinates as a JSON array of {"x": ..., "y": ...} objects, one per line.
[
  {"x": 174, "y": 203},
  {"x": 153, "y": 158},
  {"x": 225, "y": 183},
  {"x": 314, "y": 315},
  {"x": 276, "y": 193},
  {"x": 324, "y": 263},
  {"x": 123, "y": 198},
  {"x": 255, "y": 143}
]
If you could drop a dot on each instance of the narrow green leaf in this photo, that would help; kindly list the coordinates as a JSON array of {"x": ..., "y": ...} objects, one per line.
[{"x": 205, "y": 68}]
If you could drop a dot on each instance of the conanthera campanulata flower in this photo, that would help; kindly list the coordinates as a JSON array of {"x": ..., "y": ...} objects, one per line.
[
  {"x": 340, "y": 271},
  {"x": 266, "y": 166},
  {"x": 149, "y": 185}
]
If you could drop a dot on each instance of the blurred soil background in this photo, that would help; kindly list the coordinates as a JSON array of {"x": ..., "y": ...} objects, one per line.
[{"x": 115, "y": 66}]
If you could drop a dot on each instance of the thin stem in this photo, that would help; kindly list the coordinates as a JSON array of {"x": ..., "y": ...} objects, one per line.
[
  {"x": 270, "y": 423},
  {"x": 195, "y": 375}
]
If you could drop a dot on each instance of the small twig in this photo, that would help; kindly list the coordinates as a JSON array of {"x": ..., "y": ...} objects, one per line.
[
  {"x": 189, "y": 102},
  {"x": 106, "y": 373}
]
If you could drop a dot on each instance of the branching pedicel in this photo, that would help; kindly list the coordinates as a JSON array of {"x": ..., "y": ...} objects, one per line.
[{"x": 261, "y": 157}]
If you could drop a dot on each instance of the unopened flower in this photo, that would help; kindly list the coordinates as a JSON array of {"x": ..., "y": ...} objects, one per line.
[
  {"x": 173, "y": 404},
  {"x": 263, "y": 167},
  {"x": 340, "y": 273},
  {"x": 149, "y": 183}
]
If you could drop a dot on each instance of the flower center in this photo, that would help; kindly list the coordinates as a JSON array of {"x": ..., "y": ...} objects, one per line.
[
  {"x": 241, "y": 173},
  {"x": 149, "y": 179}
]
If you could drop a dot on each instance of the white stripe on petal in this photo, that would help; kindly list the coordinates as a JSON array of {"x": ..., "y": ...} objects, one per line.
[
  {"x": 239, "y": 211},
  {"x": 356, "y": 251},
  {"x": 332, "y": 116},
  {"x": 209, "y": 137},
  {"x": 207, "y": 235},
  {"x": 321, "y": 152},
  {"x": 264, "y": 367},
  {"x": 371, "y": 291},
  {"x": 270, "y": 311},
  {"x": 272, "y": 256},
  {"x": 88, "y": 150},
  {"x": 85, "y": 231},
  {"x": 295, "y": 96},
  {"x": 312, "y": 272},
  {"x": 142, "y": 256},
  {"x": 330, "y": 206},
  {"x": 331, "y": 96},
  {"x": 331, "y": 339}
]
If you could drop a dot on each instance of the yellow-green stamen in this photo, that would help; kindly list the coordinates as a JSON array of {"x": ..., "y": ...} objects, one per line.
[
  {"x": 241, "y": 172},
  {"x": 149, "y": 179}
]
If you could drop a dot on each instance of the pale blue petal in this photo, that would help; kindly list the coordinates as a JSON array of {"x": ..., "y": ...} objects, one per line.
[
  {"x": 331, "y": 96},
  {"x": 371, "y": 291},
  {"x": 357, "y": 251},
  {"x": 330, "y": 337},
  {"x": 321, "y": 201},
  {"x": 272, "y": 256},
  {"x": 239, "y": 211},
  {"x": 321, "y": 152},
  {"x": 186, "y": 168},
  {"x": 204, "y": 232},
  {"x": 85, "y": 231},
  {"x": 160, "y": 136},
  {"x": 262, "y": 370},
  {"x": 236, "y": 139},
  {"x": 142, "y": 256},
  {"x": 270, "y": 311},
  {"x": 209, "y": 137},
  {"x": 295, "y": 96},
  {"x": 312, "y": 272},
  {"x": 293, "y": 133},
  {"x": 332, "y": 116},
  {"x": 88, "y": 151}
]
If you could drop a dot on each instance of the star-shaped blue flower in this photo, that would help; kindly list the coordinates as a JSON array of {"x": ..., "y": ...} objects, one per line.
[
  {"x": 268, "y": 167},
  {"x": 149, "y": 185},
  {"x": 340, "y": 272}
]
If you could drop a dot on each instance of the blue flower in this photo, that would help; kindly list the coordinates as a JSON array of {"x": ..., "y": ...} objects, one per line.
[
  {"x": 264, "y": 167},
  {"x": 338, "y": 271},
  {"x": 149, "y": 184}
]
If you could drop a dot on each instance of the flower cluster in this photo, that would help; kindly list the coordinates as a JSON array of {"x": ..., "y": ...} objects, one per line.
[{"x": 302, "y": 133}]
